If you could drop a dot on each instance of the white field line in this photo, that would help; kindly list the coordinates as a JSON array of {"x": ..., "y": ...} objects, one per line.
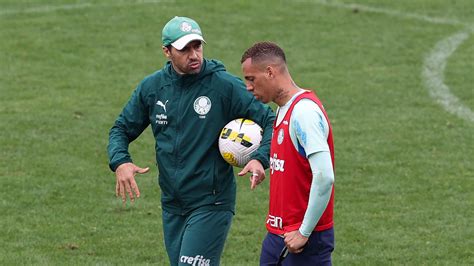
[
  {"x": 433, "y": 75},
  {"x": 435, "y": 62},
  {"x": 52, "y": 8},
  {"x": 390, "y": 12}
]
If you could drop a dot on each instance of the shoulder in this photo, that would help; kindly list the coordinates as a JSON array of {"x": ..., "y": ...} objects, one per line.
[
  {"x": 229, "y": 80},
  {"x": 228, "y": 84},
  {"x": 308, "y": 114},
  {"x": 220, "y": 73},
  {"x": 154, "y": 80},
  {"x": 304, "y": 107},
  {"x": 154, "y": 77}
]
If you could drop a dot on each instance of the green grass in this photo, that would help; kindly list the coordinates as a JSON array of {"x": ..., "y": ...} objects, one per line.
[{"x": 404, "y": 166}]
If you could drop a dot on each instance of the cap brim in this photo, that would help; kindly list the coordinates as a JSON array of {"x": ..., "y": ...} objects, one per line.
[{"x": 183, "y": 41}]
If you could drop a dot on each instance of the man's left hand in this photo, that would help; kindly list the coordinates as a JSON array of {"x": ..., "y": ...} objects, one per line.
[
  {"x": 258, "y": 173},
  {"x": 295, "y": 241}
]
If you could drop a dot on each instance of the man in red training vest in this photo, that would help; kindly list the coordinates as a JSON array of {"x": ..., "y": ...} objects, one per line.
[{"x": 300, "y": 217}]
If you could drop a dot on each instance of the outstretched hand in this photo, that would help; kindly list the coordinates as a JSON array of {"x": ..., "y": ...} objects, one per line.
[
  {"x": 258, "y": 173},
  {"x": 125, "y": 184}
]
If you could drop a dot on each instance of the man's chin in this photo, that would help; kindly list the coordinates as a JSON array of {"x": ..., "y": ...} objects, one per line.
[
  {"x": 258, "y": 98},
  {"x": 194, "y": 70}
]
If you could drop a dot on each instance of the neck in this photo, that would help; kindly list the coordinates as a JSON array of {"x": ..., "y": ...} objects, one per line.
[{"x": 286, "y": 92}]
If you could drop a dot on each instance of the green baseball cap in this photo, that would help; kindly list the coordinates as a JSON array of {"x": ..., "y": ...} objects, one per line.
[{"x": 179, "y": 31}]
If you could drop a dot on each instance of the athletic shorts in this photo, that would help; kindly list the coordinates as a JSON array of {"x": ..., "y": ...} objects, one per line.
[
  {"x": 316, "y": 252},
  {"x": 197, "y": 238}
]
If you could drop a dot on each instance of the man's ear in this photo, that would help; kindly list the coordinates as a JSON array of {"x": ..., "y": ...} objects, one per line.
[
  {"x": 166, "y": 52},
  {"x": 270, "y": 72}
]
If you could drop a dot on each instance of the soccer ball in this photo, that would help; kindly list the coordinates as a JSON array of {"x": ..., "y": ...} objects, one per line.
[{"x": 238, "y": 140}]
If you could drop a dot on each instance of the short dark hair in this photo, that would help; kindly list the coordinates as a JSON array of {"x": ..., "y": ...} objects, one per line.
[{"x": 261, "y": 51}]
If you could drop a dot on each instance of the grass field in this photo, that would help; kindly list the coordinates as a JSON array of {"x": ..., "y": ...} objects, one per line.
[{"x": 387, "y": 71}]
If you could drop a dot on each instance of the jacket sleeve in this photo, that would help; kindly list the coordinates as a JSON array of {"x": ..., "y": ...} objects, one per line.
[
  {"x": 245, "y": 105},
  {"x": 129, "y": 125}
]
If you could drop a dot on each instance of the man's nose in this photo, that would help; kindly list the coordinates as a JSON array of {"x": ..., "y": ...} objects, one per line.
[
  {"x": 193, "y": 54},
  {"x": 249, "y": 86}
]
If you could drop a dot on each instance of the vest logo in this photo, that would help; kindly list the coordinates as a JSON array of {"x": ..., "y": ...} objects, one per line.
[
  {"x": 275, "y": 221},
  {"x": 276, "y": 164},
  {"x": 197, "y": 260},
  {"x": 281, "y": 136},
  {"x": 202, "y": 106}
]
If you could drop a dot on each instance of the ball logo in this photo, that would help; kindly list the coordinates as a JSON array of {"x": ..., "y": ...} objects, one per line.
[
  {"x": 235, "y": 136},
  {"x": 186, "y": 27},
  {"x": 202, "y": 106}
]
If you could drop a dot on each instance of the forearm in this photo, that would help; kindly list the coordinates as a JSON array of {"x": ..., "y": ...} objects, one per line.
[
  {"x": 129, "y": 125},
  {"x": 117, "y": 148},
  {"x": 263, "y": 152},
  {"x": 320, "y": 192}
]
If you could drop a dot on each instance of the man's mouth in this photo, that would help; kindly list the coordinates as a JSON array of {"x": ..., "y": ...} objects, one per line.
[{"x": 194, "y": 65}]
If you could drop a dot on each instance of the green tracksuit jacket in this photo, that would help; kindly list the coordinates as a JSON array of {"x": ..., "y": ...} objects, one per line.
[{"x": 186, "y": 114}]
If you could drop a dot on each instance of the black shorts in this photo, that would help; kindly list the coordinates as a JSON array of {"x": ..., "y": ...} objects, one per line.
[{"x": 316, "y": 252}]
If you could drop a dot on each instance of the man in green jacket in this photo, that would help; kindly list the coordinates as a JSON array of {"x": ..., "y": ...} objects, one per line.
[{"x": 187, "y": 103}]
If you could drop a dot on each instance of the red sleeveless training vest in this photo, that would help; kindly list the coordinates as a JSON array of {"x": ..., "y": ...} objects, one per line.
[{"x": 291, "y": 177}]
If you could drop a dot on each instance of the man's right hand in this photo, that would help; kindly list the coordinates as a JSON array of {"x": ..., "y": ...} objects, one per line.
[{"x": 125, "y": 175}]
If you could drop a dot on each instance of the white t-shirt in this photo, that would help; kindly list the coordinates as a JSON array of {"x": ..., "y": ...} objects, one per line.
[{"x": 310, "y": 133}]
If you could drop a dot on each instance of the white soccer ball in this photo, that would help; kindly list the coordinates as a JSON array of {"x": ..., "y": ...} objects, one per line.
[{"x": 238, "y": 140}]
